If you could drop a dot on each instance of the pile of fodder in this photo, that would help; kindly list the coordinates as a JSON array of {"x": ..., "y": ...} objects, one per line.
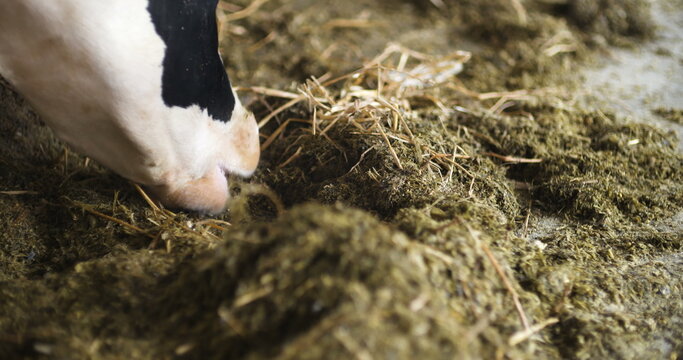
[
  {"x": 516, "y": 45},
  {"x": 365, "y": 145},
  {"x": 320, "y": 281},
  {"x": 614, "y": 21},
  {"x": 594, "y": 167},
  {"x": 673, "y": 115},
  {"x": 371, "y": 139},
  {"x": 302, "y": 38},
  {"x": 383, "y": 143},
  {"x": 99, "y": 309},
  {"x": 537, "y": 43},
  {"x": 317, "y": 282}
]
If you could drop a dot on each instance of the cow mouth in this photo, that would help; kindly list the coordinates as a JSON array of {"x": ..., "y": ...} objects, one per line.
[{"x": 208, "y": 194}]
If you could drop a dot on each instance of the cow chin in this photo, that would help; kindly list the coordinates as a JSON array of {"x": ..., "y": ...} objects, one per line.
[{"x": 208, "y": 194}]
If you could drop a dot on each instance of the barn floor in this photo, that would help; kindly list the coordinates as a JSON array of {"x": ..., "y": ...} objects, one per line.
[{"x": 529, "y": 206}]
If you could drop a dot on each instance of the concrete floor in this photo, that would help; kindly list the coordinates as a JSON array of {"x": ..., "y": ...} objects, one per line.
[{"x": 633, "y": 82}]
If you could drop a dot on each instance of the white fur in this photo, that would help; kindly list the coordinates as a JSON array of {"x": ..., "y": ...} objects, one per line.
[{"x": 92, "y": 69}]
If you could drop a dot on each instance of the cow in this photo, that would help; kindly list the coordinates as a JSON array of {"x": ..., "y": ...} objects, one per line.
[{"x": 137, "y": 85}]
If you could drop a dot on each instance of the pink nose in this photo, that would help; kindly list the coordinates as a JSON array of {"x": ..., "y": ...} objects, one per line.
[{"x": 208, "y": 194}]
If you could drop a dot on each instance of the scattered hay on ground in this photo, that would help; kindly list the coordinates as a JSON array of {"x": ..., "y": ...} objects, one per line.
[{"x": 673, "y": 115}]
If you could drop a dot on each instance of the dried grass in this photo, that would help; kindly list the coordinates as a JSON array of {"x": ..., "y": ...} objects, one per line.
[{"x": 373, "y": 99}]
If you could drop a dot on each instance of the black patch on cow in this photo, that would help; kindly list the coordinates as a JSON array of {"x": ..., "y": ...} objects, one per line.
[{"x": 193, "y": 73}]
